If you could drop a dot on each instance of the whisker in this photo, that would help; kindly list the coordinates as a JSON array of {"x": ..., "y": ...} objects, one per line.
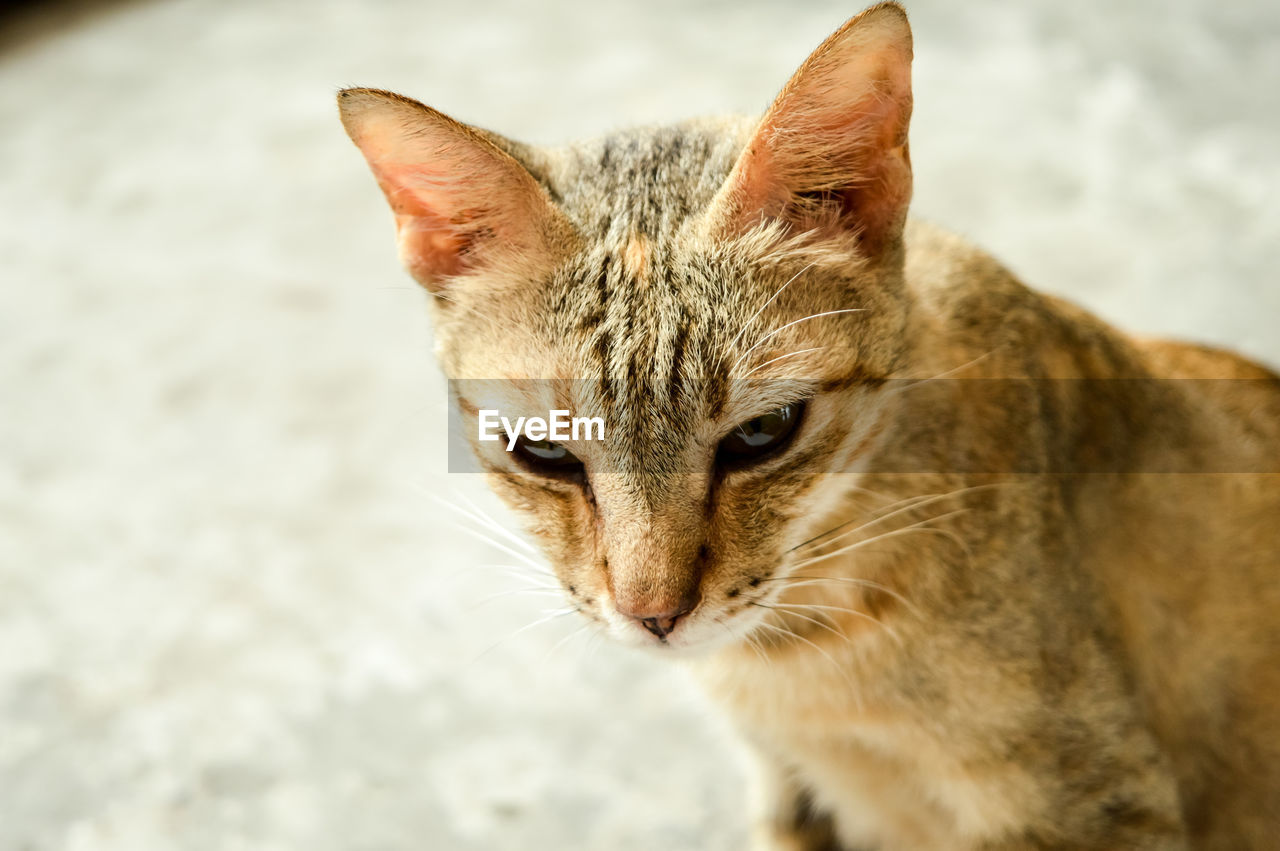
[
  {"x": 907, "y": 504},
  {"x": 595, "y": 640},
  {"x": 524, "y": 557},
  {"x": 913, "y": 528},
  {"x": 805, "y": 581},
  {"x": 755, "y": 315},
  {"x": 498, "y": 527},
  {"x": 857, "y": 613},
  {"x": 776, "y": 331},
  {"x": 516, "y": 554},
  {"x": 516, "y": 571},
  {"x": 546, "y": 618},
  {"x": 913, "y": 382},
  {"x": 891, "y": 509},
  {"x": 537, "y": 592},
  {"x": 825, "y": 654},
  {"x": 585, "y": 626},
  {"x": 781, "y": 357},
  {"x": 747, "y": 639},
  {"x": 786, "y": 608},
  {"x": 754, "y": 644},
  {"x": 884, "y": 496}
]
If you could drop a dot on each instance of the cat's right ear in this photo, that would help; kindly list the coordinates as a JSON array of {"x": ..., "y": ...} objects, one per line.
[
  {"x": 460, "y": 202},
  {"x": 830, "y": 155}
]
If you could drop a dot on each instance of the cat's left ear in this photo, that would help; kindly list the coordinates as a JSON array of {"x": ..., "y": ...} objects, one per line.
[
  {"x": 831, "y": 153},
  {"x": 460, "y": 201}
]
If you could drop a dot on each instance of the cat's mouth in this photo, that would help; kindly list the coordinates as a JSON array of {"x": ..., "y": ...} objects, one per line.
[{"x": 711, "y": 623}]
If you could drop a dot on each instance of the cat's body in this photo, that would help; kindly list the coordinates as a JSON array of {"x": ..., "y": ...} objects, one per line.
[
  {"x": 1007, "y": 584},
  {"x": 1102, "y": 650}
]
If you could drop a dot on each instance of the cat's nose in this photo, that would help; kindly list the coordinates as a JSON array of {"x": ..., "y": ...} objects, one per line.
[
  {"x": 657, "y": 617},
  {"x": 661, "y": 627}
]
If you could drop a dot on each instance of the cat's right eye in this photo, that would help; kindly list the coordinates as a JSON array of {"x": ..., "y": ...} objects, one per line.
[
  {"x": 760, "y": 436},
  {"x": 547, "y": 457}
]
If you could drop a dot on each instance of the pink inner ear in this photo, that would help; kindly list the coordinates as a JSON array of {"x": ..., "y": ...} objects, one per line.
[
  {"x": 842, "y": 164},
  {"x": 458, "y": 200},
  {"x": 868, "y": 141},
  {"x": 439, "y": 218},
  {"x": 831, "y": 154},
  {"x": 431, "y": 247}
]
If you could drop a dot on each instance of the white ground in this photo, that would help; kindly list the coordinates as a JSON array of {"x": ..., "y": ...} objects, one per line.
[{"x": 231, "y": 615}]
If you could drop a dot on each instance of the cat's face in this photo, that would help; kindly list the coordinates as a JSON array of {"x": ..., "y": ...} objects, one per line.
[
  {"x": 726, "y": 298},
  {"x": 728, "y": 429}
]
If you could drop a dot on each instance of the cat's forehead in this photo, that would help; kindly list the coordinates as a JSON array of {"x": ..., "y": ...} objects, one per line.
[
  {"x": 649, "y": 180},
  {"x": 644, "y": 304},
  {"x": 643, "y": 293}
]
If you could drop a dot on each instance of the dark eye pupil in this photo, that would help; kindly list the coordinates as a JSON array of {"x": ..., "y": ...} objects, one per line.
[
  {"x": 762, "y": 430},
  {"x": 760, "y": 435},
  {"x": 546, "y": 450},
  {"x": 543, "y": 455}
]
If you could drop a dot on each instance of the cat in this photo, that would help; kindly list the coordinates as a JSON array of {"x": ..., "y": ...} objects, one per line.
[{"x": 966, "y": 567}]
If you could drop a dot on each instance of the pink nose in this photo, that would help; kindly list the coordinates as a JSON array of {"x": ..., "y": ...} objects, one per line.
[{"x": 659, "y": 617}]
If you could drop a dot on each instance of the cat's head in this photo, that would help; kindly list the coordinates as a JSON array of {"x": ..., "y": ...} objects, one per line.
[{"x": 725, "y": 295}]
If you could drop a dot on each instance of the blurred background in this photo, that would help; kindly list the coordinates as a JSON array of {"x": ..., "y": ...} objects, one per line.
[{"x": 238, "y": 608}]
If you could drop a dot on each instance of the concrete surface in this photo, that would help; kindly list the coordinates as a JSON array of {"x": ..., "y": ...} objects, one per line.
[{"x": 232, "y": 615}]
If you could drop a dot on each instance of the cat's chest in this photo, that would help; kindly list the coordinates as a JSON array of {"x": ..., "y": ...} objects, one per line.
[
  {"x": 811, "y": 695},
  {"x": 856, "y": 746}
]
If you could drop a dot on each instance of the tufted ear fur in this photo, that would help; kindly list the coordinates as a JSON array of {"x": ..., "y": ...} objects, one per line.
[
  {"x": 831, "y": 152},
  {"x": 460, "y": 201}
]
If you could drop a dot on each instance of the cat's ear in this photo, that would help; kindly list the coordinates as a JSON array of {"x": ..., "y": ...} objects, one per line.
[
  {"x": 460, "y": 201},
  {"x": 831, "y": 152}
]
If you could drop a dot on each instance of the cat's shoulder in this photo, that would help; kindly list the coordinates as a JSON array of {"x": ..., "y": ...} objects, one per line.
[
  {"x": 949, "y": 273},
  {"x": 971, "y": 303},
  {"x": 966, "y": 295}
]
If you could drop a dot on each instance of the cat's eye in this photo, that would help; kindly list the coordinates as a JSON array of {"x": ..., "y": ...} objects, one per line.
[
  {"x": 544, "y": 456},
  {"x": 760, "y": 436}
]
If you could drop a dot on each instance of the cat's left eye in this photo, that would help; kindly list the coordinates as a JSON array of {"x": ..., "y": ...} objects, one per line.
[
  {"x": 546, "y": 456},
  {"x": 760, "y": 436}
]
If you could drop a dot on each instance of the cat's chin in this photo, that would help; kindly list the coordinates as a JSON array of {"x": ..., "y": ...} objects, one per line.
[{"x": 672, "y": 649}]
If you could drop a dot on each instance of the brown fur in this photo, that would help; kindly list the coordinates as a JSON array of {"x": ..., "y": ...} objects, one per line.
[{"x": 1013, "y": 583}]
